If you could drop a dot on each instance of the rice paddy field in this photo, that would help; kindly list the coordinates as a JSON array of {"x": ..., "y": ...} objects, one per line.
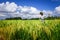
[{"x": 29, "y": 30}]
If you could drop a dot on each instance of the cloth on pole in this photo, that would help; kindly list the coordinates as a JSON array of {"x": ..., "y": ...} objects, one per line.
[{"x": 42, "y": 19}]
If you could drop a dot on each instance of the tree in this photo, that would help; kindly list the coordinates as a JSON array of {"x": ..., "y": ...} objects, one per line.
[{"x": 13, "y": 18}]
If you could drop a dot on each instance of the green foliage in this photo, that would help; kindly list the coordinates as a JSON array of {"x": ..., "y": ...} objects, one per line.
[
  {"x": 14, "y": 18},
  {"x": 52, "y": 18}
]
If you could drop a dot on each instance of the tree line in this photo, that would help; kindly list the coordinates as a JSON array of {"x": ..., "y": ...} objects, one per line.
[{"x": 19, "y": 18}]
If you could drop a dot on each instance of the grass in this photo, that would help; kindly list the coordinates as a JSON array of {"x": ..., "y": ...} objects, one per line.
[{"x": 29, "y": 30}]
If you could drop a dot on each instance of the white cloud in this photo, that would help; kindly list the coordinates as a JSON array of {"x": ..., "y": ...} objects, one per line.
[
  {"x": 57, "y": 9},
  {"x": 9, "y": 7},
  {"x": 47, "y": 13},
  {"x": 12, "y": 10},
  {"x": 2, "y": 15},
  {"x": 29, "y": 10}
]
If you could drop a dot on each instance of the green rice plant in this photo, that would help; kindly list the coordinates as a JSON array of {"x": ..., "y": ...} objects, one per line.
[
  {"x": 30, "y": 29},
  {"x": 21, "y": 34}
]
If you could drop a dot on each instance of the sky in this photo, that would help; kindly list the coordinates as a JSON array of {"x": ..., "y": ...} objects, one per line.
[{"x": 28, "y": 8}]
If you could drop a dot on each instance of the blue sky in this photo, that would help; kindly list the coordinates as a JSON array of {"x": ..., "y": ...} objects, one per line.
[
  {"x": 39, "y": 4},
  {"x": 28, "y": 8}
]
